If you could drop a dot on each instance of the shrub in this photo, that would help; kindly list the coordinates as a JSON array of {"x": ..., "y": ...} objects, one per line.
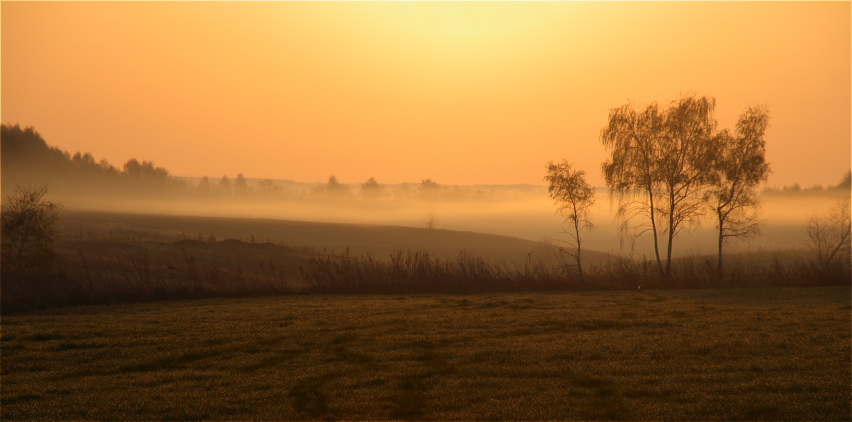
[
  {"x": 830, "y": 237},
  {"x": 28, "y": 233}
]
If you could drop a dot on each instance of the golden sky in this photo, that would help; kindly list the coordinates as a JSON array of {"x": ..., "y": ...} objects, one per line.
[{"x": 463, "y": 93}]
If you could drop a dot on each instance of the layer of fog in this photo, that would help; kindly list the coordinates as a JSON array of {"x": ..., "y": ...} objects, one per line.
[{"x": 522, "y": 211}]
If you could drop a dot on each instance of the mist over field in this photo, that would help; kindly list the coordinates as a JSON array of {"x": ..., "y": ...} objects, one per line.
[
  {"x": 523, "y": 211},
  {"x": 80, "y": 182}
]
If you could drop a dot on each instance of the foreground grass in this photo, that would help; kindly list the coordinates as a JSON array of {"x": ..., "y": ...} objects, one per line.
[{"x": 779, "y": 354}]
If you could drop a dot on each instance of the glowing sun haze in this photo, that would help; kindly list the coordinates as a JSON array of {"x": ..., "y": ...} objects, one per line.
[{"x": 463, "y": 93}]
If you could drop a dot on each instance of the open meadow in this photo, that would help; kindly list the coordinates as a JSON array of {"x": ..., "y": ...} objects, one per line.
[
  {"x": 299, "y": 210},
  {"x": 722, "y": 354}
]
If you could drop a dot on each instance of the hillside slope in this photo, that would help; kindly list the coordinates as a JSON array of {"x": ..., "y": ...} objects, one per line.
[{"x": 377, "y": 240}]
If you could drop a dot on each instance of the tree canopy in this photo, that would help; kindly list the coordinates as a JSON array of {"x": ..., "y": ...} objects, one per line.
[{"x": 665, "y": 162}]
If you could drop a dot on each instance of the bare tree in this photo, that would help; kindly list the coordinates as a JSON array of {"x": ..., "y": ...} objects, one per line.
[
  {"x": 829, "y": 236},
  {"x": 739, "y": 167},
  {"x": 573, "y": 198},
  {"x": 429, "y": 190},
  {"x": 431, "y": 218},
  {"x": 28, "y": 231}
]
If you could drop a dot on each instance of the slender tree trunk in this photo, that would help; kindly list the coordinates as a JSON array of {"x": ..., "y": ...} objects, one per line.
[
  {"x": 671, "y": 235},
  {"x": 721, "y": 239},
  {"x": 577, "y": 232},
  {"x": 654, "y": 230},
  {"x": 728, "y": 206}
]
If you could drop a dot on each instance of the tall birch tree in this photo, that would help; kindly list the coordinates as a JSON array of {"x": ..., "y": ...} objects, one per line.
[
  {"x": 740, "y": 166},
  {"x": 659, "y": 167},
  {"x": 573, "y": 197}
]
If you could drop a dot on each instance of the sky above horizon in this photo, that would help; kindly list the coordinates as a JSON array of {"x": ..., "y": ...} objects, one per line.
[{"x": 462, "y": 93}]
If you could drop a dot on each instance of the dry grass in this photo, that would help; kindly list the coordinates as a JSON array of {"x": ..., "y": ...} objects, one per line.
[
  {"x": 738, "y": 354},
  {"x": 417, "y": 272},
  {"x": 124, "y": 265}
]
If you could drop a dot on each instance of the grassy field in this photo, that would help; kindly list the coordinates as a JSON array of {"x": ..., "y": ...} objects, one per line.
[{"x": 738, "y": 354}]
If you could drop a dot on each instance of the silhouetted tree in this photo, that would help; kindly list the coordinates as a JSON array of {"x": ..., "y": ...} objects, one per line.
[
  {"x": 428, "y": 184},
  {"x": 573, "y": 197},
  {"x": 28, "y": 232},
  {"x": 240, "y": 184},
  {"x": 371, "y": 188},
  {"x": 88, "y": 168},
  {"x": 133, "y": 168},
  {"x": 25, "y": 158},
  {"x": 204, "y": 186},
  {"x": 145, "y": 171},
  {"x": 661, "y": 164},
  {"x": 225, "y": 185},
  {"x": 633, "y": 138},
  {"x": 739, "y": 167},
  {"x": 107, "y": 167},
  {"x": 83, "y": 160},
  {"x": 334, "y": 187},
  {"x": 830, "y": 236},
  {"x": 18, "y": 142},
  {"x": 686, "y": 166},
  {"x": 431, "y": 218},
  {"x": 428, "y": 189}
]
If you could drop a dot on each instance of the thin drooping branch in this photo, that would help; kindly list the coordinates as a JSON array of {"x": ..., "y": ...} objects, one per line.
[{"x": 659, "y": 167}]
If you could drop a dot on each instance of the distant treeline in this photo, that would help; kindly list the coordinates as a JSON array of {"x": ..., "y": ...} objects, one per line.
[
  {"x": 845, "y": 185},
  {"x": 27, "y": 159}
]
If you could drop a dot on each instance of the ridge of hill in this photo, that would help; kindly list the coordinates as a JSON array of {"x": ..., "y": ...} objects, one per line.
[{"x": 377, "y": 240}]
